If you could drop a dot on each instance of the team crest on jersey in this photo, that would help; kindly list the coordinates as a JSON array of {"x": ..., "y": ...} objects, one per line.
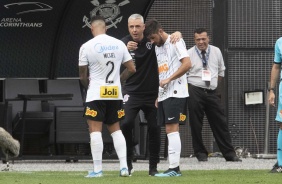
[
  {"x": 182, "y": 117},
  {"x": 110, "y": 11},
  {"x": 125, "y": 98},
  {"x": 120, "y": 113},
  {"x": 149, "y": 45},
  {"x": 90, "y": 112}
]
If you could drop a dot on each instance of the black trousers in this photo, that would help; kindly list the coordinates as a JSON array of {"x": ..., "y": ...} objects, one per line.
[
  {"x": 146, "y": 103},
  {"x": 200, "y": 102}
]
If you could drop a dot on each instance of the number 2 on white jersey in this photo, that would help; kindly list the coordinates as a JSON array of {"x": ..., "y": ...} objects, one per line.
[{"x": 111, "y": 71}]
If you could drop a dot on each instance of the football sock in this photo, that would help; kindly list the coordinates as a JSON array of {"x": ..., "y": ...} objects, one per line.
[
  {"x": 279, "y": 148},
  {"x": 174, "y": 149},
  {"x": 120, "y": 147},
  {"x": 97, "y": 146}
]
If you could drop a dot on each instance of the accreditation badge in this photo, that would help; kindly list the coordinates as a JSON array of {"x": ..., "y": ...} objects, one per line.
[
  {"x": 109, "y": 91},
  {"x": 206, "y": 75}
]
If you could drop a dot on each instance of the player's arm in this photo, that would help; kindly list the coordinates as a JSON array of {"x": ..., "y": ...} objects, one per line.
[
  {"x": 185, "y": 66},
  {"x": 128, "y": 71},
  {"x": 275, "y": 71},
  {"x": 83, "y": 75},
  {"x": 83, "y": 67},
  {"x": 221, "y": 69}
]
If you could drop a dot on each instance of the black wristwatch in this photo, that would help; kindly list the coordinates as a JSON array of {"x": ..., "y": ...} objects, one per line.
[{"x": 270, "y": 89}]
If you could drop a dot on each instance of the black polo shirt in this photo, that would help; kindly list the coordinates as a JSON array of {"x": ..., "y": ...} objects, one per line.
[{"x": 146, "y": 78}]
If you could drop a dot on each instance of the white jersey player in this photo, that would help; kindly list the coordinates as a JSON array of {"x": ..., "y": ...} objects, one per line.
[
  {"x": 99, "y": 70},
  {"x": 173, "y": 63}
]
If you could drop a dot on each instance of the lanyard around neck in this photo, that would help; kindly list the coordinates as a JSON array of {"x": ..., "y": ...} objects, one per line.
[{"x": 207, "y": 55}]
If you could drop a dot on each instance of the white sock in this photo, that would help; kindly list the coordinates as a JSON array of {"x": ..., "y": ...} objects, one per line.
[
  {"x": 120, "y": 147},
  {"x": 97, "y": 146},
  {"x": 174, "y": 149}
]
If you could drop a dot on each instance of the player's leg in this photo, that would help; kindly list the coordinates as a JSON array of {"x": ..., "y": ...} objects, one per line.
[
  {"x": 278, "y": 166},
  {"x": 279, "y": 147},
  {"x": 175, "y": 112},
  {"x": 131, "y": 105},
  {"x": 154, "y": 132},
  {"x": 95, "y": 117},
  {"x": 114, "y": 115}
]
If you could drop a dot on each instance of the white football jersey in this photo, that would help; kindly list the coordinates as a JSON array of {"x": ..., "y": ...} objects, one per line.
[
  {"x": 103, "y": 54},
  {"x": 168, "y": 57}
]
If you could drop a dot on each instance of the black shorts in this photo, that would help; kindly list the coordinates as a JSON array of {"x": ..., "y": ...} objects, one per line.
[
  {"x": 107, "y": 111},
  {"x": 172, "y": 110}
]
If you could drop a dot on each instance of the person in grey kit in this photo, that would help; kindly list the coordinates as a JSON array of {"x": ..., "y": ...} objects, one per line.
[
  {"x": 275, "y": 76},
  {"x": 207, "y": 70}
]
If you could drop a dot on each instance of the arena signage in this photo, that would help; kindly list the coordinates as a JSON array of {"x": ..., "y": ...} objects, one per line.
[{"x": 23, "y": 8}]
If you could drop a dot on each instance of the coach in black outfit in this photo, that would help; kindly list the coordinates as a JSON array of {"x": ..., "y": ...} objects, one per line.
[
  {"x": 207, "y": 69},
  {"x": 141, "y": 91}
]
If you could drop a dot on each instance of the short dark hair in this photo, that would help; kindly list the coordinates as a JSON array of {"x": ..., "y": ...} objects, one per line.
[
  {"x": 97, "y": 17},
  {"x": 200, "y": 30},
  {"x": 152, "y": 27}
]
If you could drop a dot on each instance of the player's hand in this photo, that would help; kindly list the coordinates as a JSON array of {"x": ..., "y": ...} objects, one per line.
[
  {"x": 131, "y": 45},
  {"x": 156, "y": 103},
  {"x": 271, "y": 98},
  {"x": 175, "y": 37},
  {"x": 163, "y": 83}
]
